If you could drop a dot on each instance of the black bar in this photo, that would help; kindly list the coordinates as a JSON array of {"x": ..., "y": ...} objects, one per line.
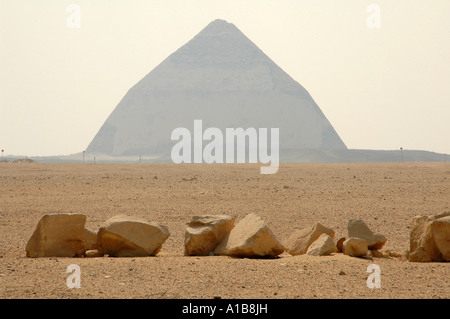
[{"x": 224, "y": 308}]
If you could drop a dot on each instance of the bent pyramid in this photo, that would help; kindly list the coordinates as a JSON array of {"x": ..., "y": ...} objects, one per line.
[{"x": 223, "y": 79}]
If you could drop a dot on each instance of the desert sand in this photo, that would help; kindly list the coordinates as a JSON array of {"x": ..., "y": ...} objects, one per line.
[{"x": 385, "y": 195}]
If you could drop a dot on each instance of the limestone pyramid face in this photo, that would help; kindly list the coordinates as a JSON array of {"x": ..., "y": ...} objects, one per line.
[{"x": 223, "y": 79}]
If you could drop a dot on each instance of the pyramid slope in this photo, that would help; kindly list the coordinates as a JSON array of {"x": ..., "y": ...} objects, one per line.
[{"x": 223, "y": 79}]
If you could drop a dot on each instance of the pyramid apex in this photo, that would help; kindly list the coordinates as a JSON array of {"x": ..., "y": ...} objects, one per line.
[
  {"x": 219, "y": 21},
  {"x": 218, "y": 26}
]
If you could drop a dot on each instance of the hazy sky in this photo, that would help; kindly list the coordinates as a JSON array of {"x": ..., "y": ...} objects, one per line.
[{"x": 381, "y": 88}]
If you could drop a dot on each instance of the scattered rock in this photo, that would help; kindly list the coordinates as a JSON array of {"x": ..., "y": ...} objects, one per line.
[
  {"x": 355, "y": 247},
  {"x": 90, "y": 239},
  {"x": 393, "y": 254},
  {"x": 376, "y": 254},
  {"x": 430, "y": 238},
  {"x": 405, "y": 255},
  {"x": 342, "y": 273},
  {"x": 300, "y": 240},
  {"x": 204, "y": 233},
  {"x": 339, "y": 244},
  {"x": 251, "y": 237},
  {"x": 322, "y": 246},
  {"x": 58, "y": 235},
  {"x": 93, "y": 253},
  {"x": 367, "y": 256},
  {"x": 127, "y": 236},
  {"x": 358, "y": 228}
]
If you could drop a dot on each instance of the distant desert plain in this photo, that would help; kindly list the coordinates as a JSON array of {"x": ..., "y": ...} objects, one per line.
[{"x": 385, "y": 195}]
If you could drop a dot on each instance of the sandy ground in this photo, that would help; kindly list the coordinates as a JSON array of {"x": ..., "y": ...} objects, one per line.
[{"x": 387, "y": 196}]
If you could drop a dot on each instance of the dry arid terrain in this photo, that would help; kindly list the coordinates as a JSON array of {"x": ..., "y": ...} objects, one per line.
[{"x": 385, "y": 195}]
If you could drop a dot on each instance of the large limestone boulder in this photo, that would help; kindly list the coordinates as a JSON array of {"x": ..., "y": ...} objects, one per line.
[
  {"x": 358, "y": 228},
  {"x": 300, "y": 240},
  {"x": 441, "y": 233},
  {"x": 430, "y": 238},
  {"x": 355, "y": 247},
  {"x": 323, "y": 246},
  {"x": 130, "y": 236},
  {"x": 205, "y": 232},
  {"x": 59, "y": 235},
  {"x": 251, "y": 237}
]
